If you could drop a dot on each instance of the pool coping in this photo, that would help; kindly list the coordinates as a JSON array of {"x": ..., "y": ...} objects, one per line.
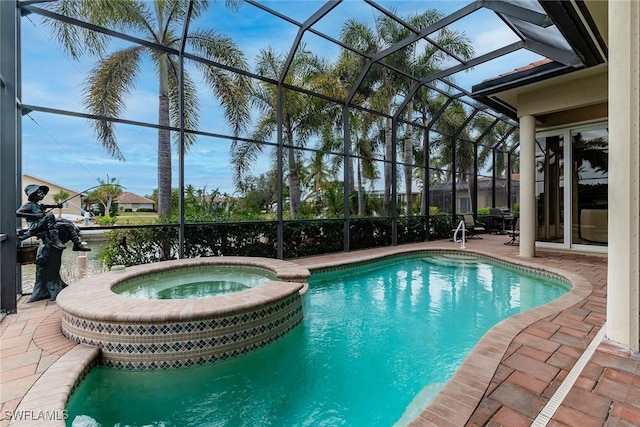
[
  {"x": 466, "y": 388},
  {"x": 104, "y": 304}
]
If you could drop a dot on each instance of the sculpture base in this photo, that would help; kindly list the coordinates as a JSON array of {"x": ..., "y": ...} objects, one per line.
[{"x": 48, "y": 282}]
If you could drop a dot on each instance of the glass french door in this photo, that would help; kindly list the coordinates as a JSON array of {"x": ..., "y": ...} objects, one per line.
[
  {"x": 550, "y": 188},
  {"x": 572, "y": 172}
]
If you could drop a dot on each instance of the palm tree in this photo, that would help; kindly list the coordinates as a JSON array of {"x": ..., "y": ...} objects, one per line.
[
  {"x": 59, "y": 197},
  {"x": 160, "y": 22},
  {"x": 500, "y": 137},
  {"x": 428, "y": 62},
  {"x": 302, "y": 117},
  {"x": 364, "y": 142},
  {"x": 456, "y": 141},
  {"x": 378, "y": 87},
  {"x": 591, "y": 153},
  {"x": 383, "y": 85},
  {"x": 427, "y": 106},
  {"x": 317, "y": 178},
  {"x": 362, "y": 145},
  {"x": 190, "y": 195}
]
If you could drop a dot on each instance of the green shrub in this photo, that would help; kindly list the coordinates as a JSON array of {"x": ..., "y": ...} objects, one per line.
[
  {"x": 440, "y": 226},
  {"x": 134, "y": 246},
  {"x": 412, "y": 229},
  {"x": 106, "y": 220},
  {"x": 483, "y": 211},
  {"x": 140, "y": 245}
]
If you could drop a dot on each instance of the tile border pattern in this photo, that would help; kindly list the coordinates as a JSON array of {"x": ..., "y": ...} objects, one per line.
[
  {"x": 148, "y": 334},
  {"x": 535, "y": 271},
  {"x": 167, "y": 345}
]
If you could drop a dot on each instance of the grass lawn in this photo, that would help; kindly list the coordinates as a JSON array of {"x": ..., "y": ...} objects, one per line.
[{"x": 136, "y": 218}]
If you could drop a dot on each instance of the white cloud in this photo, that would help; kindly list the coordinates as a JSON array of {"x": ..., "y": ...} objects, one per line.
[{"x": 495, "y": 37}]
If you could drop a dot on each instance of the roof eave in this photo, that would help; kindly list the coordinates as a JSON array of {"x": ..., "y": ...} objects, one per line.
[{"x": 486, "y": 91}]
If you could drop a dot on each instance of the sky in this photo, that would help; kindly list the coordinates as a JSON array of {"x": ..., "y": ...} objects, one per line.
[{"x": 65, "y": 151}]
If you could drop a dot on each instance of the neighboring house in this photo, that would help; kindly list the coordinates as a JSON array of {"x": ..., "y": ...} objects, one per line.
[
  {"x": 72, "y": 208},
  {"x": 130, "y": 201},
  {"x": 441, "y": 194}
]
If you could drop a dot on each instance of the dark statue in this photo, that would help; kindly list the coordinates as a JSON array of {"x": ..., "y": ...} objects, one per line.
[{"x": 53, "y": 233}]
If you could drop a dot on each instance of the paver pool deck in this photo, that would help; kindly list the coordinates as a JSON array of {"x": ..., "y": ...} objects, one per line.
[{"x": 508, "y": 379}]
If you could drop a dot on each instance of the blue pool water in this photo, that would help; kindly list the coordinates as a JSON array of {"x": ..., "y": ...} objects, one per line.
[
  {"x": 376, "y": 344},
  {"x": 193, "y": 282}
]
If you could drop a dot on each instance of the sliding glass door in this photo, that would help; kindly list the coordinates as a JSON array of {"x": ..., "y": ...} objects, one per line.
[
  {"x": 582, "y": 187},
  {"x": 550, "y": 188},
  {"x": 590, "y": 155}
]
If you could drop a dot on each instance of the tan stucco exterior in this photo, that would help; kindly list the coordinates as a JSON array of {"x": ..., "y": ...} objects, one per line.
[
  {"x": 576, "y": 97},
  {"x": 610, "y": 92},
  {"x": 623, "y": 278},
  {"x": 565, "y": 94}
]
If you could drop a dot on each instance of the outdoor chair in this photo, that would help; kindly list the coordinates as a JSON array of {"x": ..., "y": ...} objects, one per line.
[
  {"x": 473, "y": 227},
  {"x": 514, "y": 234}
]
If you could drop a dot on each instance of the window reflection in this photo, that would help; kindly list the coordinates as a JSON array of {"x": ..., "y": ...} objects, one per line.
[
  {"x": 550, "y": 188},
  {"x": 586, "y": 191},
  {"x": 590, "y": 186}
]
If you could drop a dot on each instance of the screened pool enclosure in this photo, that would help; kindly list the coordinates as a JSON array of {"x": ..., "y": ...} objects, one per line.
[{"x": 276, "y": 128}]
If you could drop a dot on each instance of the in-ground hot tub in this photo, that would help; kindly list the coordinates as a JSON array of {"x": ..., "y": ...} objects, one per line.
[
  {"x": 136, "y": 333},
  {"x": 193, "y": 282}
]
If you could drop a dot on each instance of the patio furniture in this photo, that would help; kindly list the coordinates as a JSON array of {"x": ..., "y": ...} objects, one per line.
[
  {"x": 514, "y": 234},
  {"x": 473, "y": 227}
]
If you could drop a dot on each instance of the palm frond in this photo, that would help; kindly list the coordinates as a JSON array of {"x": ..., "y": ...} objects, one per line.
[
  {"x": 191, "y": 111},
  {"x": 243, "y": 156},
  {"x": 230, "y": 88},
  {"x": 106, "y": 89}
]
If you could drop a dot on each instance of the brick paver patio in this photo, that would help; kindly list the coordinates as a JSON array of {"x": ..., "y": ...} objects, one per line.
[{"x": 530, "y": 368}]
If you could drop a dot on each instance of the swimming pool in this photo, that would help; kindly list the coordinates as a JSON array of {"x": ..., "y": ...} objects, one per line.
[{"x": 377, "y": 342}]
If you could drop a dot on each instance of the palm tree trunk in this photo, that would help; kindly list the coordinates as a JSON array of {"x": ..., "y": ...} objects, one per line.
[
  {"x": 351, "y": 172},
  {"x": 426, "y": 178},
  {"x": 408, "y": 159},
  {"x": 350, "y": 188},
  {"x": 294, "y": 178},
  {"x": 294, "y": 184},
  {"x": 164, "y": 142},
  {"x": 360, "y": 191},
  {"x": 353, "y": 163},
  {"x": 388, "y": 152},
  {"x": 472, "y": 190}
]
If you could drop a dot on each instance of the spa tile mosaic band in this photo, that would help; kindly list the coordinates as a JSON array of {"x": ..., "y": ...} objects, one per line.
[{"x": 167, "y": 345}]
